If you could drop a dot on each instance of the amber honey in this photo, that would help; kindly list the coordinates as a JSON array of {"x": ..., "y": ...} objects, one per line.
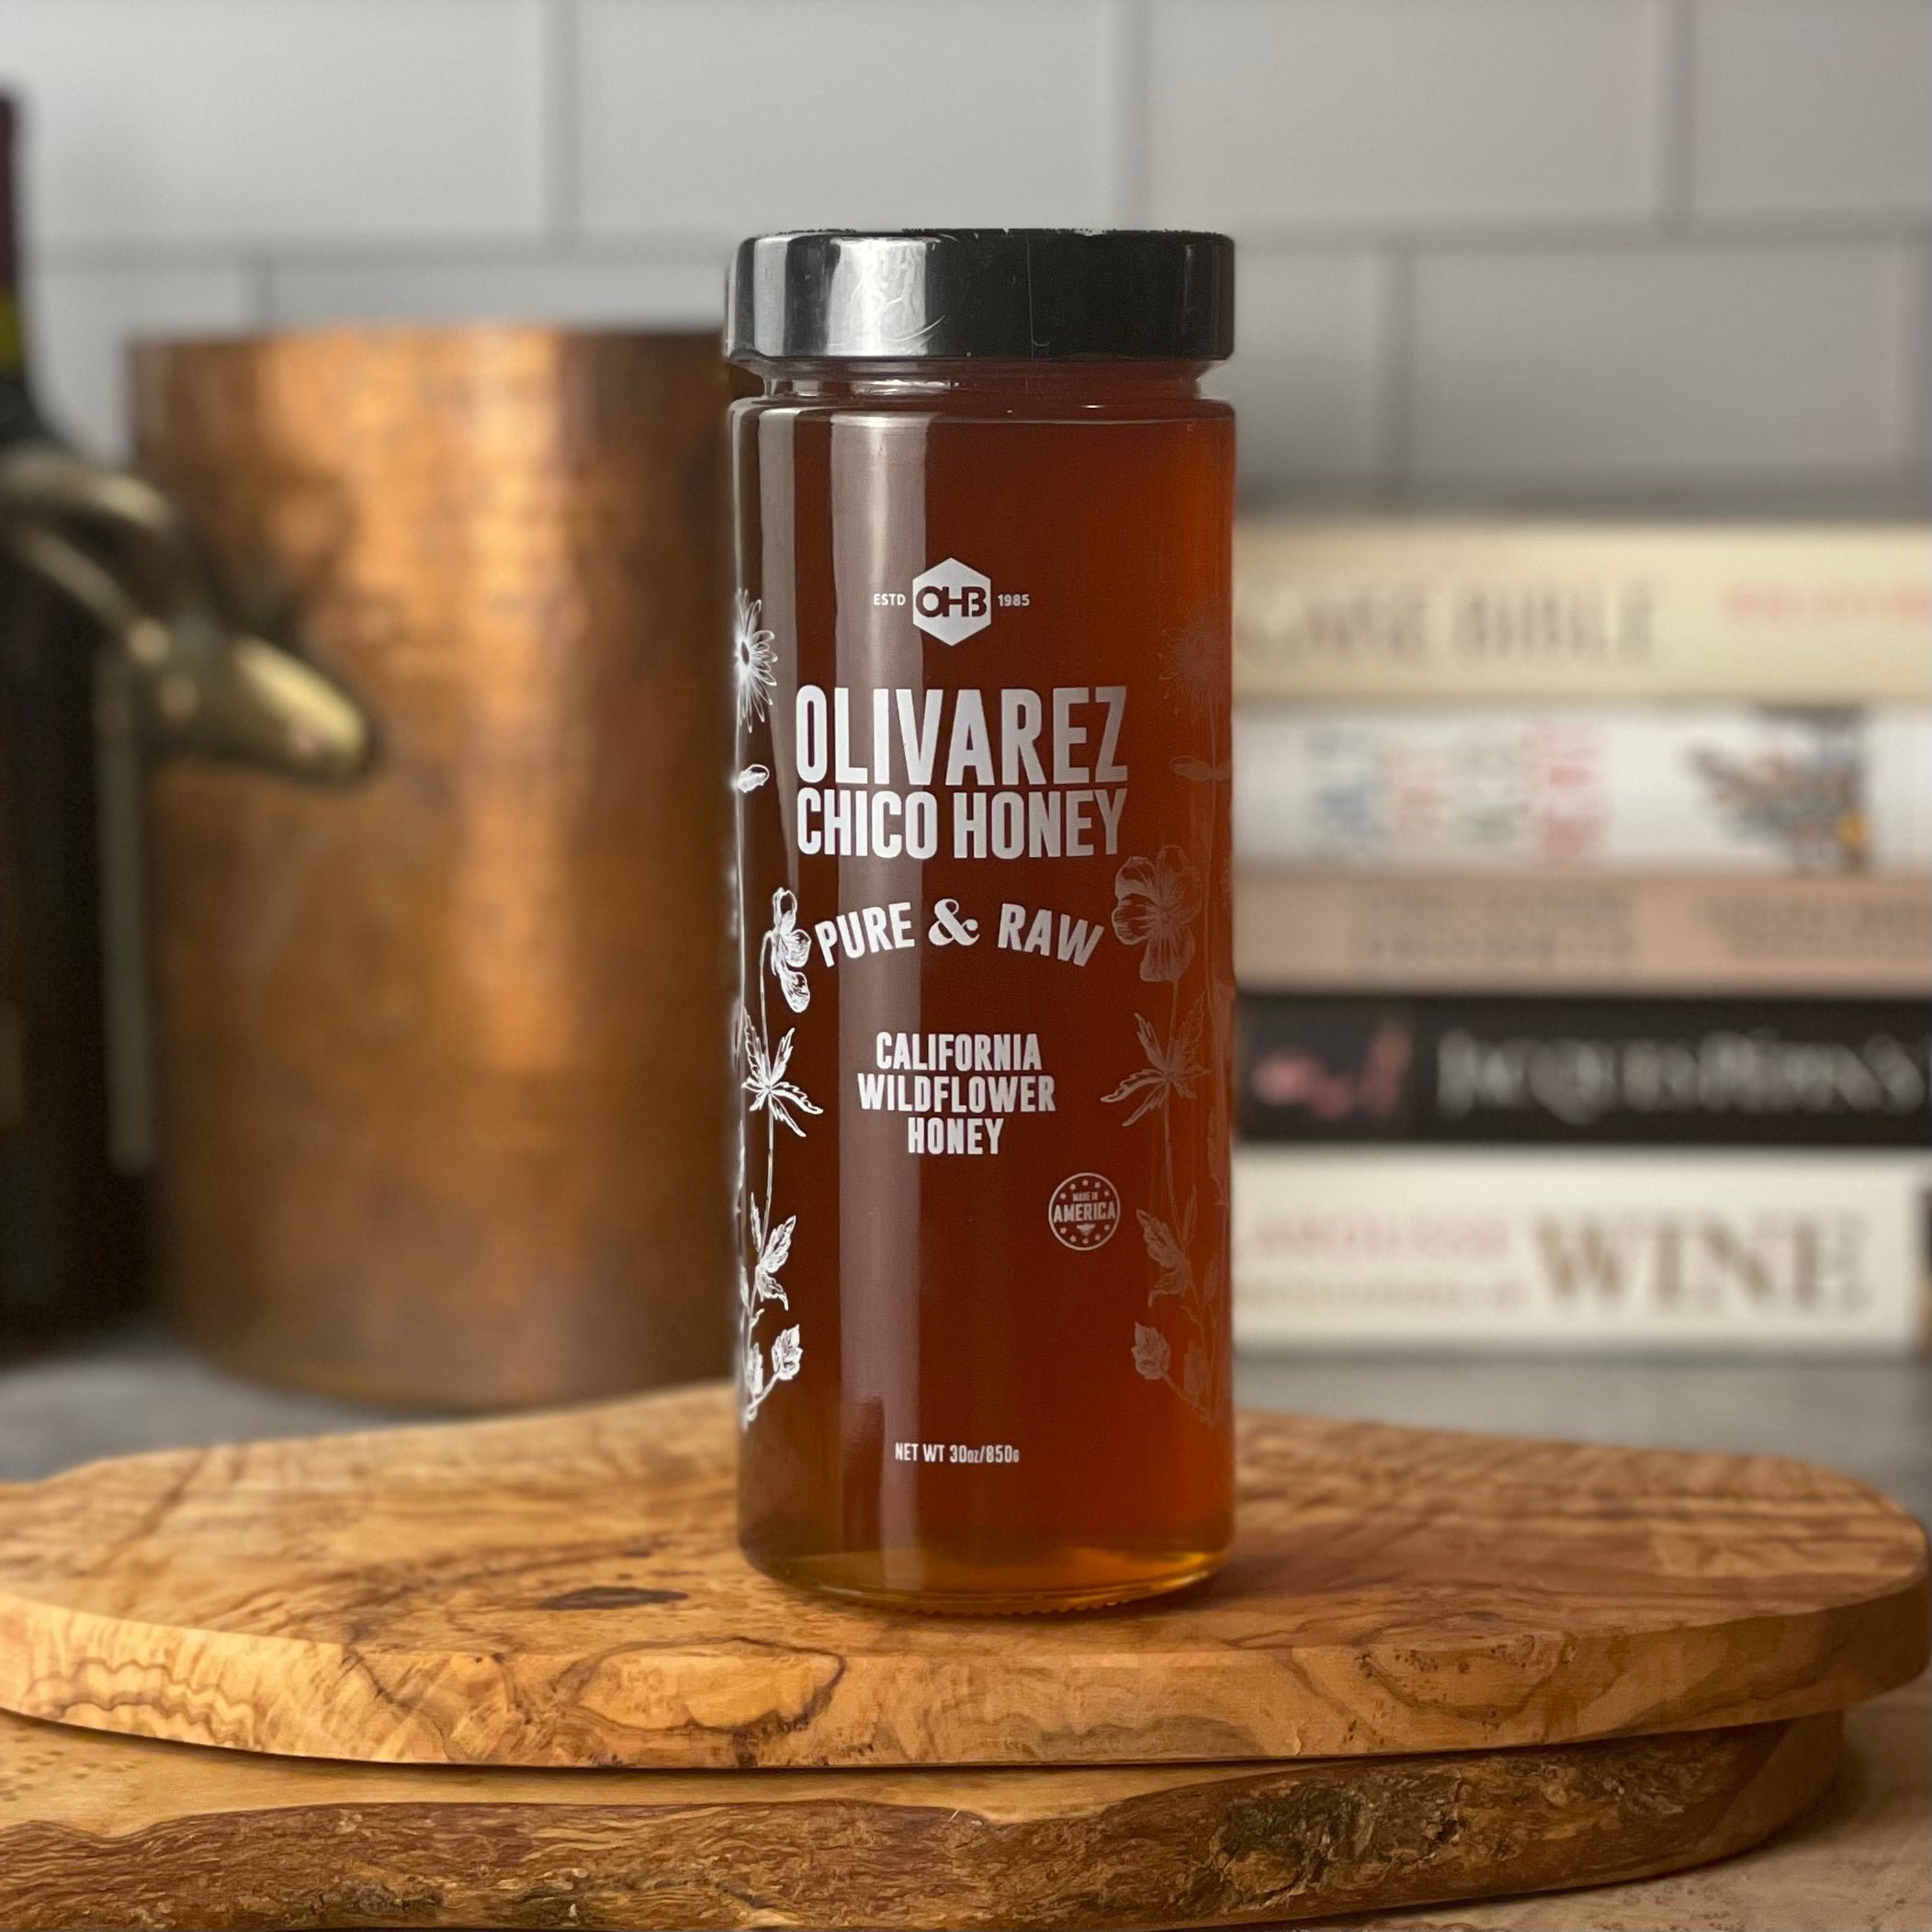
[{"x": 984, "y": 1040}]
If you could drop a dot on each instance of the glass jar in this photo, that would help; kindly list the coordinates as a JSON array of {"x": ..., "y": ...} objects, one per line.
[{"x": 984, "y": 892}]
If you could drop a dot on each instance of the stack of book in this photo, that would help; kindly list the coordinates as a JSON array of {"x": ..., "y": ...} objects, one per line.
[{"x": 1584, "y": 931}]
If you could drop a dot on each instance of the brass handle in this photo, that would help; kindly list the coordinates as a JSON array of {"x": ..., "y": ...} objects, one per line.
[{"x": 202, "y": 684}]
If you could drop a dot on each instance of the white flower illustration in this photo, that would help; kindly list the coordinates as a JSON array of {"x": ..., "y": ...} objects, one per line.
[
  {"x": 1193, "y": 666},
  {"x": 1150, "y": 1352},
  {"x": 789, "y": 948},
  {"x": 1155, "y": 904},
  {"x": 773, "y": 1246},
  {"x": 1161, "y": 907},
  {"x": 1174, "y": 1273},
  {"x": 787, "y": 1358},
  {"x": 753, "y": 661},
  {"x": 1172, "y": 1068},
  {"x": 1193, "y": 1376},
  {"x": 1197, "y": 771},
  {"x": 767, "y": 1085}
]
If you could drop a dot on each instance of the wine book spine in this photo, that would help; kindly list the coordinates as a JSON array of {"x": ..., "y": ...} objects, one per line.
[{"x": 1723, "y": 1251}]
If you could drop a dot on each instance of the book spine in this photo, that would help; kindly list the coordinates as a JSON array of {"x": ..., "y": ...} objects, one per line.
[
  {"x": 1467, "y": 613},
  {"x": 1691, "y": 788},
  {"x": 1774, "y": 1073},
  {"x": 1434, "y": 1250},
  {"x": 1858, "y": 938}
]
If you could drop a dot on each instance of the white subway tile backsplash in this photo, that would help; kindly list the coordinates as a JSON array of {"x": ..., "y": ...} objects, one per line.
[
  {"x": 667, "y": 294},
  {"x": 198, "y": 121},
  {"x": 717, "y": 117},
  {"x": 82, "y": 320},
  {"x": 1267, "y": 114},
  {"x": 1493, "y": 248},
  {"x": 1917, "y": 405},
  {"x": 1665, "y": 362},
  {"x": 1309, "y": 349},
  {"x": 1813, "y": 106}
]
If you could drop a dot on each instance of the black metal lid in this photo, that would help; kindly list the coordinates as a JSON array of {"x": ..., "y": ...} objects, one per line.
[{"x": 1012, "y": 294}]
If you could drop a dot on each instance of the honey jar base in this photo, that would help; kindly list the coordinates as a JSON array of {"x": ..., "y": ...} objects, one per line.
[{"x": 1081, "y": 1580}]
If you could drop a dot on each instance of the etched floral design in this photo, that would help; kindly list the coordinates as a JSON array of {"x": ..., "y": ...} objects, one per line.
[
  {"x": 1195, "y": 1371},
  {"x": 1197, "y": 771},
  {"x": 1193, "y": 666},
  {"x": 1173, "y": 1069},
  {"x": 1151, "y": 1354},
  {"x": 754, "y": 661},
  {"x": 1173, "y": 1272},
  {"x": 780, "y": 1100},
  {"x": 1156, "y": 902},
  {"x": 1173, "y": 1066},
  {"x": 789, "y": 949},
  {"x": 765, "y": 1065},
  {"x": 773, "y": 1246},
  {"x": 765, "y": 1082},
  {"x": 787, "y": 1359}
]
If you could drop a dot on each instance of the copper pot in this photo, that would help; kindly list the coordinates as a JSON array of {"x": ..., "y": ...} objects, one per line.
[{"x": 442, "y": 1115}]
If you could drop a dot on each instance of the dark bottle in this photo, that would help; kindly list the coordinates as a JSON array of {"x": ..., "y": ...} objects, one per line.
[{"x": 65, "y": 1247}]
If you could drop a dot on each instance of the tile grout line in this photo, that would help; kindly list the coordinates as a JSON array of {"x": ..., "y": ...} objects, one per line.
[
  {"x": 1795, "y": 231},
  {"x": 669, "y": 251},
  {"x": 1612, "y": 233}
]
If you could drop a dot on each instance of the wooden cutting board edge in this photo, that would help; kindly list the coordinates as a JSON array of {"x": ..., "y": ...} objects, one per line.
[
  {"x": 232, "y": 1693},
  {"x": 97, "y": 1831},
  {"x": 820, "y": 1687}
]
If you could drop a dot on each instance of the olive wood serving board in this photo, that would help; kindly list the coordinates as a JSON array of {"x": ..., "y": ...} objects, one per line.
[
  {"x": 564, "y": 1590},
  {"x": 113, "y": 1831}
]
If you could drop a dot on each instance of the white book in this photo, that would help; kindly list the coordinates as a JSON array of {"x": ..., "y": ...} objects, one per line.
[
  {"x": 1566, "y": 613},
  {"x": 1721, "y": 788},
  {"x": 1339, "y": 930},
  {"x": 1719, "y": 1250}
]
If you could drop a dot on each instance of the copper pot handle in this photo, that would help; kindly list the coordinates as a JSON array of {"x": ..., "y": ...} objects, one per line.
[{"x": 202, "y": 684}]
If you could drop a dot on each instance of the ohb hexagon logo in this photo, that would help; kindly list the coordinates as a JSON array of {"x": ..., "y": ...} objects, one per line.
[{"x": 951, "y": 601}]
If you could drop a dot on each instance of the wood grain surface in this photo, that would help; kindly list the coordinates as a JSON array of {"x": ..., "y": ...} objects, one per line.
[
  {"x": 106, "y": 1831},
  {"x": 563, "y": 1590},
  {"x": 1856, "y": 1862}
]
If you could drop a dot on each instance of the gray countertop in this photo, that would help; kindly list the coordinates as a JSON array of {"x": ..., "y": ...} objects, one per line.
[{"x": 1872, "y": 1419}]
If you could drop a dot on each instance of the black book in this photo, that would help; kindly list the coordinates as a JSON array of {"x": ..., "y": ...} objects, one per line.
[{"x": 1476, "y": 1069}]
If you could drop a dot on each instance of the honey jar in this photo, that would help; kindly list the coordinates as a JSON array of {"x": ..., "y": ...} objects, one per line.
[{"x": 983, "y": 1039}]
